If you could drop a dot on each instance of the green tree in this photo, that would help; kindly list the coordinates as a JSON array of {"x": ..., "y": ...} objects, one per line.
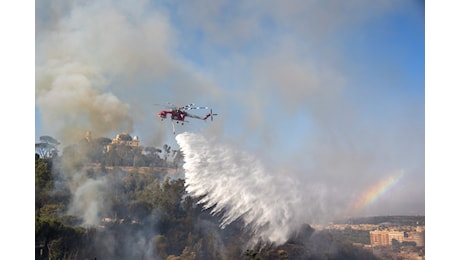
[
  {"x": 62, "y": 241},
  {"x": 43, "y": 181},
  {"x": 167, "y": 151},
  {"x": 250, "y": 255},
  {"x": 47, "y": 148}
]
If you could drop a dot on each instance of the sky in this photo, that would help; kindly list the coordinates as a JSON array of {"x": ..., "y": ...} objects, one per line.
[{"x": 332, "y": 88}]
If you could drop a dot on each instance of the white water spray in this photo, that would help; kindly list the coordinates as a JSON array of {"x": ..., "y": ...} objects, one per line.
[{"x": 237, "y": 186}]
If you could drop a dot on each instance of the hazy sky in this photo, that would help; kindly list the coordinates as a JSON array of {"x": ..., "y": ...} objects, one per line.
[{"x": 333, "y": 91}]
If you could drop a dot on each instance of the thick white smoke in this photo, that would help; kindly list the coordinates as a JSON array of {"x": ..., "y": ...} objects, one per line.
[
  {"x": 236, "y": 185},
  {"x": 89, "y": 200}
]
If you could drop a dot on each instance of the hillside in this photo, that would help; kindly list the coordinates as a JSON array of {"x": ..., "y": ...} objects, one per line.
[{"x": 92, "y": 211}]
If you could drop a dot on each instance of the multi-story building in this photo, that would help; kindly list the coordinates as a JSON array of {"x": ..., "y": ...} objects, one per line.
[
  {"x": 124, "y": 139},
  {"x": 385, "y": 237}
]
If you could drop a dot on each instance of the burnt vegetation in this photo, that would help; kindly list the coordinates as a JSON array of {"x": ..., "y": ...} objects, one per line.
[{"x": 149, "y": 214}]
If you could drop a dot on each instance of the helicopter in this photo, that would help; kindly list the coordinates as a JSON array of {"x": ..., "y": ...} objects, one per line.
[{"x": 178, "y": 114}]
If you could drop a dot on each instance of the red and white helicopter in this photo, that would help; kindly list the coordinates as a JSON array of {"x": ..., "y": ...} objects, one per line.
[{"x": 179, "y": 114}]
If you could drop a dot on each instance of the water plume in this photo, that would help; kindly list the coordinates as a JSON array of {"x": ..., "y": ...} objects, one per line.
[{"x": 236, "y": 186}]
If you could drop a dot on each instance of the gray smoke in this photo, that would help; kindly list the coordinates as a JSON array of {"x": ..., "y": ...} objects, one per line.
[{"x": 102, "y": 66}]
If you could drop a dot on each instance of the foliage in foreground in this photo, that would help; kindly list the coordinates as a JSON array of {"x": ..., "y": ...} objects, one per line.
[{"x": 150, "y": 216}]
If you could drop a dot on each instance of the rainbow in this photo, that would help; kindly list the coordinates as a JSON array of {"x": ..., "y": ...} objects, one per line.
[{"x": 371, "y": 194}]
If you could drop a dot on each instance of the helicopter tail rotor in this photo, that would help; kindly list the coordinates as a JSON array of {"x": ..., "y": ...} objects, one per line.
[{"x": 212, "y": 115}]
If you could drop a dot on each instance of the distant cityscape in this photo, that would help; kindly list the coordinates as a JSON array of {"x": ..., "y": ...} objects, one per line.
[{"x": 388, "y": 241}]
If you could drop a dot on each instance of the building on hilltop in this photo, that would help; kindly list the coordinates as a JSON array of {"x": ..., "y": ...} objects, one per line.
[{"x": 124, "y": 139}]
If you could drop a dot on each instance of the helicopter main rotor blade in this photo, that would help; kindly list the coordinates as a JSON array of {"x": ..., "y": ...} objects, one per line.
[
  {"x": 186, "y": 107},
  {"x": 197, "y": 108}
]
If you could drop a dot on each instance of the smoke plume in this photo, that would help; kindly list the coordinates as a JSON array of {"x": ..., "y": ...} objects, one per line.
[
  {"x": 88, "y": 200},
  {"x": 102, "y": 66}
]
